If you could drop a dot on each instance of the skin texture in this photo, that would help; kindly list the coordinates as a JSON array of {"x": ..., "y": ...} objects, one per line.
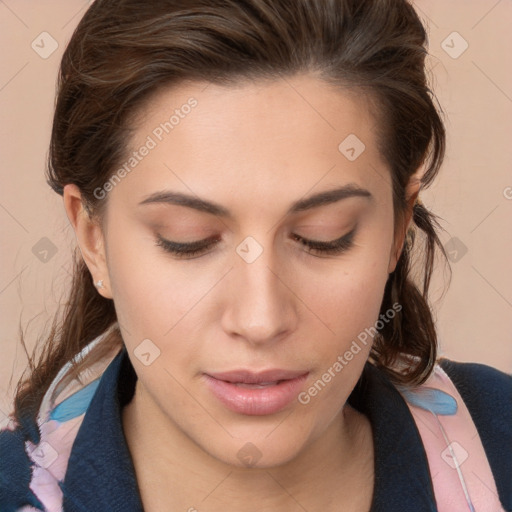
[{"x": 254, "y": 148}]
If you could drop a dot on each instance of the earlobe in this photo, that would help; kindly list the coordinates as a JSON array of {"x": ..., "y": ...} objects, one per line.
[{"x": 89, "y": 237}]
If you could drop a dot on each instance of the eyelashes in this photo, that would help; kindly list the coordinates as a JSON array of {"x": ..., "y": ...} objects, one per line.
[
  {"x": 315, "y": 247},
  {"x": 186, "y": 250},
  {"x": 333, "y": 247}
]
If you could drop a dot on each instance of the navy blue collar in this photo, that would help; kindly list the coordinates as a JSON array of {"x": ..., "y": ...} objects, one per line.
[{"x": 101, "y": 475}]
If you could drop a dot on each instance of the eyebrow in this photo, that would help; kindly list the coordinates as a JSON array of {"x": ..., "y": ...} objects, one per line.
[{"x": 308, "y": 203}]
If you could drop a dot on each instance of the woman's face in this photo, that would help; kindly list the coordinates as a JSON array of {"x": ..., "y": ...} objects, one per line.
[{"x": 253, "y": 170}]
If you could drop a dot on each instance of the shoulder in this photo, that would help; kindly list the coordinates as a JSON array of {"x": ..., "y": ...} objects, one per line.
[
  {"x": 487, "y": 394},
  {"x": 15, "y": 470},
  {"x": 480, "y": 384},
  {"x": 35, "y": 448}
]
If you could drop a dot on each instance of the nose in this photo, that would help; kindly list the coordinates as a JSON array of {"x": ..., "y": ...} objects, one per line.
[{"x": 260, "y": 306}]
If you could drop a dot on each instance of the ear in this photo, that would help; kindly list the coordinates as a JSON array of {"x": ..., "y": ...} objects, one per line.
[
  {"x": 89, "y": 236},
  {"x": 411, "y": 194}
]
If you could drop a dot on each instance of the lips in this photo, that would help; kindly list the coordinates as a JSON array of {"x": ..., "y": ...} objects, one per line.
[
  {"x": 256, "y": 393},
  {"x": 249, "y": 377}
]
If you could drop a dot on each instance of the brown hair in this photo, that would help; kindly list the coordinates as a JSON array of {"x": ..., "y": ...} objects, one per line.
[{"x": 124, "y": 51}]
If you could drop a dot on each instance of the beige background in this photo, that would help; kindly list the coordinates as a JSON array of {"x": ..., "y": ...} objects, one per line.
[{"x": 473, "y": 194}]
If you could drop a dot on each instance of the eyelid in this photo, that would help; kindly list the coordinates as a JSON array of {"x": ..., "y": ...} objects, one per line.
[
  {"x": 330, "y": 247},
  {"x": 187, "y": 250},
  {"x": 325, "y": 242}
]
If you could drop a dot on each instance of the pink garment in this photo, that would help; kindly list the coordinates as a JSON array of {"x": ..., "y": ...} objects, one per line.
[{"x": 451, "y": 442}]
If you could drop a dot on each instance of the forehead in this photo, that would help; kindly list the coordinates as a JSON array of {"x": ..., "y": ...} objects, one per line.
[{"x": 297, "y": 130}]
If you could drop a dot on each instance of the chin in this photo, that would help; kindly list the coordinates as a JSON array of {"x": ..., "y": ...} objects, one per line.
[{"x": 258, "y": 451}]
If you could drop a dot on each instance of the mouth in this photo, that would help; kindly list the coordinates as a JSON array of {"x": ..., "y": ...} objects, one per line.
[
  {"x": 256, "y": 393},
  {"x": 256, "y": 386}
]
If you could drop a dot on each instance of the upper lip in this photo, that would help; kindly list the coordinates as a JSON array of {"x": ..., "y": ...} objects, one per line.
[{"x": 253, "y": 377}]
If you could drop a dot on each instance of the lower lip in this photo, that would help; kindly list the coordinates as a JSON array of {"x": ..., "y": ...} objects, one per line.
[{"x": 256, "y": 401}]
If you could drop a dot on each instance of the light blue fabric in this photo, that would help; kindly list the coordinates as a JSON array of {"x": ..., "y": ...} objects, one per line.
[
  {"x": 76, "y": 404},
  {"x": 430, "y": 399}
]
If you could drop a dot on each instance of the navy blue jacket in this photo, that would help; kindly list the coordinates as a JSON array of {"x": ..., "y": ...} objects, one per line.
[{"x": 101, "y": 475}]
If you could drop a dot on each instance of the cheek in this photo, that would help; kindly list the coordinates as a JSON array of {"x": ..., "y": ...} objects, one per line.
[
  {"x": 149, "y": 293},
  {"x": 348, "y": 310},
  {"x": 348, "y": 297},
  {"x": 348, "y": 302}
]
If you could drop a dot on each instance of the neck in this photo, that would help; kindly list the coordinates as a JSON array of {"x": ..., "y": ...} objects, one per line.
[{"x": 333, "y": 472}]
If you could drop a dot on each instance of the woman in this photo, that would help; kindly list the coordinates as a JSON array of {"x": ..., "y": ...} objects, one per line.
[{"x": 242, "y": 331}]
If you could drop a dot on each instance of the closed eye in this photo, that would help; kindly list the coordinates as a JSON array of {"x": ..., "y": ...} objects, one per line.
[
  {"x": 191, "y": 250},
  {"x": 332, "y": 247}
]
